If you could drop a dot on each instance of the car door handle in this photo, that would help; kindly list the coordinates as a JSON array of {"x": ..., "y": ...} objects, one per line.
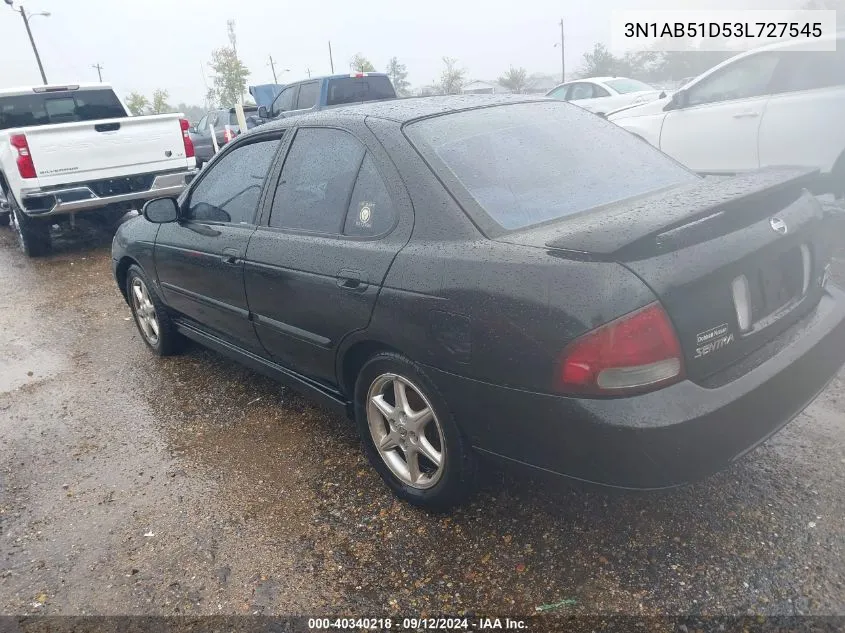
[
  {"x": 231, "y": 256},
  {"x": 352, "y": 280},
  {"x": 746, "y": 115}
]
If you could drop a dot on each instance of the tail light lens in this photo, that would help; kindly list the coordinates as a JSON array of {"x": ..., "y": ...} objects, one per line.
[
  {"x": 228, "y": 134},
  {"x": 186, "y": 138},
  {"x": 26, "y": 167},
  {"x": 635, "y": 353}
]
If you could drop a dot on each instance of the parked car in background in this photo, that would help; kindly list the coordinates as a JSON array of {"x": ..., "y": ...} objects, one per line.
[
  {"x": 226, "y": 127},
  {"x": 490, "y": 274},
  {"x": 604, "y": 94},
  {"x": 326, "y": 92},
  {"x": 775, "y": 105},
  {"x": 66, "y": 150}
]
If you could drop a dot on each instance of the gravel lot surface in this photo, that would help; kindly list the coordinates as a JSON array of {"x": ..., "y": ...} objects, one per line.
[{"x": 135, "y": 485}]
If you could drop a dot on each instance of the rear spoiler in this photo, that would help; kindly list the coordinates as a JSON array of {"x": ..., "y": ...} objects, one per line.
[{"x": 617, "y": 229}]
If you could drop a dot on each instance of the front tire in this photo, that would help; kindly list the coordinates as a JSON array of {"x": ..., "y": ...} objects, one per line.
[
  {"x": 409, "y": 435},
  {"x": 151, "y": 316},
  {"x": 33, "y": 233}
]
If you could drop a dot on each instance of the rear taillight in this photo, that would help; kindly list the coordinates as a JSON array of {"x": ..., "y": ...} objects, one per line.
[
  {"x": 26, "y": 167},
  {"x": 637, "y": 352},
  {"x": 186, "y": 138},
  {"x": 228, "y": 134}
]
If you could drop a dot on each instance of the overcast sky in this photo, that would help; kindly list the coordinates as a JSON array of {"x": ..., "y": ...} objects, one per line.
[{"x": 147, "y": 44}]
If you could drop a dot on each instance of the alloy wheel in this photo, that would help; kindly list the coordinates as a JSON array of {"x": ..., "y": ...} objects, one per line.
[
  {"x": 405, "y": 431},
  {"x": 145, "y": 312}
]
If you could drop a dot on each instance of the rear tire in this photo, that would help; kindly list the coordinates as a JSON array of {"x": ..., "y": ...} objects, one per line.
[
  {"x": 33, "y": 233},
  {"x": 151, "y": 316},
  {"x": 412, "y": 441}
]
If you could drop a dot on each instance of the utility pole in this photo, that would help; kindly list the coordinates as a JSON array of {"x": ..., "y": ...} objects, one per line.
[
  {"x": 273, "y": 67},
  {"x": 562, "y": 60},
  {"x": 331, "y": 61},
  {"x": 308, "y": 70},
  {"x": 99, "y": 71},
  {"x": 26, "y": 17}
]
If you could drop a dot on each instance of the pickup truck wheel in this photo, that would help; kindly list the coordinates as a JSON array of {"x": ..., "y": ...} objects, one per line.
[
  {"x": 151, "y": 315},
  {"x": 409, "y": 435},
  {"x": 33, "y": 233}
]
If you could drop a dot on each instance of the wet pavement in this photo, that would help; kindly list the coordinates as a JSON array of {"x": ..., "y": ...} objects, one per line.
[{"x": 135, "y": 485}]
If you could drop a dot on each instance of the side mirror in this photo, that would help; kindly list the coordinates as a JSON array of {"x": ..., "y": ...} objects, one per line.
[
  {"x": 161, "y": 210},
  {"x": 678, "y": 101},
  {"x": 262, "y": 112}
]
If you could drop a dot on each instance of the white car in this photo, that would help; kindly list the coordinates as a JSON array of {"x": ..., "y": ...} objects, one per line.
[
  {"x": 776, "y": 105},
  {"x": 66, "y": 150},
  {"x": 604, "y": 94}
]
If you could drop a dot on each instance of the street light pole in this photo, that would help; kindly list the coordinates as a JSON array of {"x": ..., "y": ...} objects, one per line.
[
  {"x": 562, "y": 60},
  {"x": 26, "y": 17}
]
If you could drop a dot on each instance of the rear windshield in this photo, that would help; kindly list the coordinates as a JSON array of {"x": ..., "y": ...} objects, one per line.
[
  {"x": 530, "y": 163},
  {"x": 624, "y": 86},
  {"x": 248, "y": 112},
  {"x": 59, "y": 107},
  {"x": 356, "y": 89}
]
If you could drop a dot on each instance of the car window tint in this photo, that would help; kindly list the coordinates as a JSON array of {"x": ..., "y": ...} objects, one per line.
[
  {"x": 59, "y": 107},
  {"x": 525, "y": 164},
  {"x": 308, "y": 94},
  {"x": 810, "y": 70},
  {"x": 370, "y": 210},
  {"x": 745, "y": 78},
  {"x": 580, "y": 91},
  {"x": 316, "y": 181},
  {"x": 356, "y": 89},
  {"x": 229, "y": 192}
]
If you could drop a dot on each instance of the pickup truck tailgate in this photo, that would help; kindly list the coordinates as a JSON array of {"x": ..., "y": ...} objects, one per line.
[{"x": 74, "y": 152}]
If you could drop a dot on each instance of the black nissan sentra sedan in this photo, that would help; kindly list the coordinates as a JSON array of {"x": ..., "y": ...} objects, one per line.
[{"x": 495, "y": 276}]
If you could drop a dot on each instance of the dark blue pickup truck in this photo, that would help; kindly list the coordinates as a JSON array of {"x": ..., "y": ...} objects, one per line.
[{"x": 325, "y": 92}]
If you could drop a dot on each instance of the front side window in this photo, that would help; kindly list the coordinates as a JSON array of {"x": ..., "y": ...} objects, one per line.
[
  {"x": 230, "y": 190},
  {"x": 743, "y": 79},
  {"x": 285, "y": 101},
  {"x": 308, "y": 94},
  {"x": 559, "y": 92},
  {"x": 202, "y": 126},
  {"x": 525, "y": 164},
  {"x": 316, "y": 182}
]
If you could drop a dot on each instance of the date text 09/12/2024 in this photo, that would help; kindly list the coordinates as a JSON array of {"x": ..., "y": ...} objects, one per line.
[{"x": 417, "y": 624}]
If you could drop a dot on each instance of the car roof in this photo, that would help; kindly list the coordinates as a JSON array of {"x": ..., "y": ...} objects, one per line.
[
  {"x": 405, "y": 110},
  {"x": 339, "y": 76}
]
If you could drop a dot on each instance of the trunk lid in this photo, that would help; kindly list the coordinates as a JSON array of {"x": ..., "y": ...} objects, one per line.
[
  {"x": 692, "y": 244},
  {"x": 79, "y": 151}
]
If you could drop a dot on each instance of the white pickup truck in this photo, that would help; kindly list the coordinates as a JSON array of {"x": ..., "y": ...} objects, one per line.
[{"x": 66, "y": 150}]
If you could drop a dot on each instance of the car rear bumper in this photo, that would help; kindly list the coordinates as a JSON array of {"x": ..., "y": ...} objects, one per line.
[
  {"x": 83, "y": 197},
  {"x": 661, "y": 439}
]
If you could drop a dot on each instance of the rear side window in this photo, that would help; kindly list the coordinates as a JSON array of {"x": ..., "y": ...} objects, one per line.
[
  {"x": 811, "y": 70},
  {"x": 356, "y": 89},
  {"x": 370, "y": 210},
  {"x": 531, "y": 163},
  {"x": 229, "y": 192},
  {"x": 308, "y": 94},
  {"x": 316, "y": 181},
  {"x": 59, "y": 107}
]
